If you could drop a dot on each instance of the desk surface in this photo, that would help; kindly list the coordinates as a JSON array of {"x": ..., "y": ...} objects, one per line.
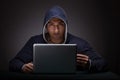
[{"x": 78, "y": 75}]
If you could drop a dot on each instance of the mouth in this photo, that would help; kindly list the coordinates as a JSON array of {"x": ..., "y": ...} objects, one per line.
[{"x": 56, "y": 36}]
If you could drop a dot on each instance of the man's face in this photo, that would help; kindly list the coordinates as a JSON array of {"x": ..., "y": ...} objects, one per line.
[{"x": 56, "y": 28}]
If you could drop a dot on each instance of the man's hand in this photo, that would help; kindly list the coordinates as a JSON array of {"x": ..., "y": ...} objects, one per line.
[
  {"x": 27, "y": 68},
  {"x": 82, "y": 60}
]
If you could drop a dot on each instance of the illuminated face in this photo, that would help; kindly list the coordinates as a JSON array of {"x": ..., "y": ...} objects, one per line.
[{"x": 56, "y": 29}]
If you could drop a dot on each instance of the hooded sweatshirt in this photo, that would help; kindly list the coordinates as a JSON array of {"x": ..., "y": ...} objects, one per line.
[
  {"x": 25, "y": 55},
  {"x": 55, "y": 12}
]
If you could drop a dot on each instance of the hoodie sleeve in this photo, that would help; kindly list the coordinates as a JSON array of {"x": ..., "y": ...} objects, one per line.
[
  {"x": 96, "y": 61},
  {"x": 24, "y": 56}
]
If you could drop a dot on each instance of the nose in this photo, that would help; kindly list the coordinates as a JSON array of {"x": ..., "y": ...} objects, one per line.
[{"x": 56, "y": 30}]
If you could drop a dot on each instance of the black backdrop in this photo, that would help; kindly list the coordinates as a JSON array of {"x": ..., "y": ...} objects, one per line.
[{"x": 96, "y": 21}]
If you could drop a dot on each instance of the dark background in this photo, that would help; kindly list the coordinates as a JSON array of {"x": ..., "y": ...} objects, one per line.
[{"x": 96, "y": 21}]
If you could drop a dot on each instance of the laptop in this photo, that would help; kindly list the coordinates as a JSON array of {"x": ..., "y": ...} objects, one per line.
[{"x": 54, "y": 58}]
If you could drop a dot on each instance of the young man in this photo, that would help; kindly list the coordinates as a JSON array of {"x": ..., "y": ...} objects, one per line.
[{"x": 55, "y": 32}]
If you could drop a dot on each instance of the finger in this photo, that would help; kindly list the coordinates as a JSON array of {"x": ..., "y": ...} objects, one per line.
[
  {"x": 78, "y": 60},
  {"x": 29, "y": 66},
  {"x": 28, "y": 70},
  {"x": 81, "y": 55},
  {"x": 82, "y": 59},
  {"x": 81, "y": 62}
]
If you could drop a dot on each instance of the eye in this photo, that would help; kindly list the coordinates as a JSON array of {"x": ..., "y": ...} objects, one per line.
[
  {"x": 49, "y": 24},
  {"x": 62, "y": 23}
]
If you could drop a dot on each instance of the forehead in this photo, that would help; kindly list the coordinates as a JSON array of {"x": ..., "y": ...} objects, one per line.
[{"x": 55, "y": 20}]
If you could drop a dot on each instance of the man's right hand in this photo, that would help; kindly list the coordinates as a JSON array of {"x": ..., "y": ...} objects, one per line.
[{"x": 27, "y": 68}]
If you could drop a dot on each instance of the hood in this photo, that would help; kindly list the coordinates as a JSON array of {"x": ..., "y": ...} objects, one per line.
[{"x": 56, "y": 12}]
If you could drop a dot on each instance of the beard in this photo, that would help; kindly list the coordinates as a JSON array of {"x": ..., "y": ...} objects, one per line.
[{"x": 56, "y": 38}]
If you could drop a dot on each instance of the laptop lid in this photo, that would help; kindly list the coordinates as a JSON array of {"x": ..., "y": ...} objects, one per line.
[{"x": 54, "y": 58}]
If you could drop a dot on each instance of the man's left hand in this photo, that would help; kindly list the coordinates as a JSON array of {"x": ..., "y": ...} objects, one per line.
[{"x": 82, "y": 60}]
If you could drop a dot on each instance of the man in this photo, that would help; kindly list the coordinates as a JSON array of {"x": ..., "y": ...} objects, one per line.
[{"x": 55, "y": 32}]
